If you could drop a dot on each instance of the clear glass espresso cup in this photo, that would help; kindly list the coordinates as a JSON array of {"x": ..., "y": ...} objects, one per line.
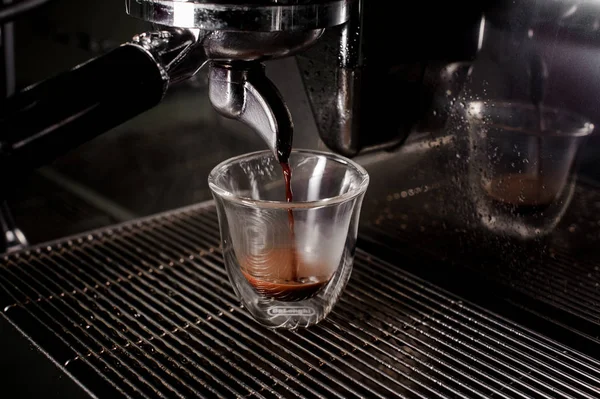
[
  {"x": 288, "y": 262},
  {"x": 521, "y": 168}
]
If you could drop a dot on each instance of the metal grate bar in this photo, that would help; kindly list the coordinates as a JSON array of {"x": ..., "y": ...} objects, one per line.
[{"x": 145, "y": 310}]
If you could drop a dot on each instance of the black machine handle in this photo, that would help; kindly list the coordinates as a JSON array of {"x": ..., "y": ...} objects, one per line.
[{"x": 50, "y": 118}]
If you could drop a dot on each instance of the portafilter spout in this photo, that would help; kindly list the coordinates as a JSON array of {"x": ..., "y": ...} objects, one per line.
[
  {"x": 239, "y": 88},
  {"x": 243, "y": 92}
]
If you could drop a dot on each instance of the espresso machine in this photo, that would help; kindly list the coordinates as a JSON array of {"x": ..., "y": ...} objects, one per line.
[{"x": 477, "y": 268}]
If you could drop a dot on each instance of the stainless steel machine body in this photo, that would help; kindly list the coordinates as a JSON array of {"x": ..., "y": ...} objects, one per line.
[{"x": 463, "y": 286}]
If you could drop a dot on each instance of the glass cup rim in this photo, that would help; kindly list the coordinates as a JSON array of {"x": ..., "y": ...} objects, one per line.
[
  {"x": 220, "y": 191},
  {"x": 475, "y": 109}
]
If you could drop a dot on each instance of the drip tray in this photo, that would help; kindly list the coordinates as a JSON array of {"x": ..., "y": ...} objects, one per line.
[{"x": 145, "y": 310}]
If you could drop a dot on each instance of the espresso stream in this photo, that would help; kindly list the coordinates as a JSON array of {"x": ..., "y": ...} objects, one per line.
[
  {"x": 281, "y": 273},
  {"x": 289, "y": 197}
]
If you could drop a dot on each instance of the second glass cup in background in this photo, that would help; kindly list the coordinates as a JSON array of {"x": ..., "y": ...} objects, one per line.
[
  {"x": 520, "y": 167},
  {"x": 289, "y": 262}
]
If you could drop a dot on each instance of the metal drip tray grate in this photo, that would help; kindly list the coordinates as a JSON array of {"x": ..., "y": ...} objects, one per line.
[
  {"x": 145, "y": 310},
  {"x": 555, "y": 280}
]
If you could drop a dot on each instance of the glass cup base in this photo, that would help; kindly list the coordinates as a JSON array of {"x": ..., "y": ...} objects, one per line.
[{"x": 291, "y": 314}]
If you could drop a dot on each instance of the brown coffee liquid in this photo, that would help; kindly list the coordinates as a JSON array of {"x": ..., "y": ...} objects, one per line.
[
  {"x": 276, "y": 275},
  {"x": 521, "y": 192}
]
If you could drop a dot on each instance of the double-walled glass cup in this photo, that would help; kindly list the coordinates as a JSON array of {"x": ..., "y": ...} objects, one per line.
[
  {"x": 522, "y": 165},
  {"x": 288, "y": 262}
]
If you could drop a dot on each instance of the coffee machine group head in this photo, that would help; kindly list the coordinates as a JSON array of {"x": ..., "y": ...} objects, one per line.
[{"x": 235, "y": 37}]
